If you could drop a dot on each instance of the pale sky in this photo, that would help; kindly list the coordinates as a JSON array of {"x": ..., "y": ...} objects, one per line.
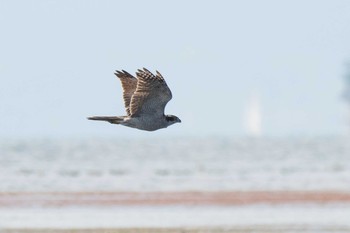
[{"x": 57, "y": 60}]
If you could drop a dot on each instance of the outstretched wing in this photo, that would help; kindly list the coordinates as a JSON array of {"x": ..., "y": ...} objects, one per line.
[
  {"x": 129, "y": 84},
  {"x": 151, "y": 95}
]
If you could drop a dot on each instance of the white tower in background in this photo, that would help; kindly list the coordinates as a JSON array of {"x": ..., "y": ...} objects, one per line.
[
  {"x": 346, "y": 94},
  {"x": 253, "y": 116}
]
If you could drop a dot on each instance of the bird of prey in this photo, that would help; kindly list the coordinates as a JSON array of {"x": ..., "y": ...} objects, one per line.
[{"x": 145, "y": 98}]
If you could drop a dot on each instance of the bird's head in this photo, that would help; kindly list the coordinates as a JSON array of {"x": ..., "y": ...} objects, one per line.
[{"x": 171, "y": 119}]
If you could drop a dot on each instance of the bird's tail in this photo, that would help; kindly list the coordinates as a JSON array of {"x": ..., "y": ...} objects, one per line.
[{"x": 110, "y": 119}]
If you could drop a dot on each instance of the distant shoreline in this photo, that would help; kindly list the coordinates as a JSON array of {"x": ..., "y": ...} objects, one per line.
[{"x": 86, "y": 199}]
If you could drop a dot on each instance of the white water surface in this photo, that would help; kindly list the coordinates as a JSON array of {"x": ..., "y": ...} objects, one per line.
[
  {"x": 180, "y": 164},
  {"x": 327, "y": 216}
]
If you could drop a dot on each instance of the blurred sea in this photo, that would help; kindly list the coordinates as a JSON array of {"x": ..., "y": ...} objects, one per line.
[
  {"x": 56, "y": 185},
  {"x": 177, "y": 164}
]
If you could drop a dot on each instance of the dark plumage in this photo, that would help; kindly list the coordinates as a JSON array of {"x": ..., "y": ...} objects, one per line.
[{"x": 145, "y": 98}]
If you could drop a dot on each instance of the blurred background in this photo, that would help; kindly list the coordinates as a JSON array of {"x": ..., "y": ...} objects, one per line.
[
  {"x": 58, "y": 59},
  {"x": 262, "y": 89}
]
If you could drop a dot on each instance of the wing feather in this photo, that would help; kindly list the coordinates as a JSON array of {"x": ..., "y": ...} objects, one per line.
[
  {"x": 151, "y": 95},
  {"x": 129, "y": 84}
]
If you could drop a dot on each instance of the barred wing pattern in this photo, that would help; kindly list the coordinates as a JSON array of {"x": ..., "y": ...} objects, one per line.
[
  {"x": 151, "y": 95},
  {"x": 129, "y": 84}
]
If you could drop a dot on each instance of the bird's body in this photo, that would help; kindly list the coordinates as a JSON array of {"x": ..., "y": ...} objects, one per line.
[{"x": 145, "y": 98}]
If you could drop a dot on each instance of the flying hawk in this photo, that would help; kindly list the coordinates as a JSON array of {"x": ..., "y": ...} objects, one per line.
[{"x": 145, "y": 98}]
